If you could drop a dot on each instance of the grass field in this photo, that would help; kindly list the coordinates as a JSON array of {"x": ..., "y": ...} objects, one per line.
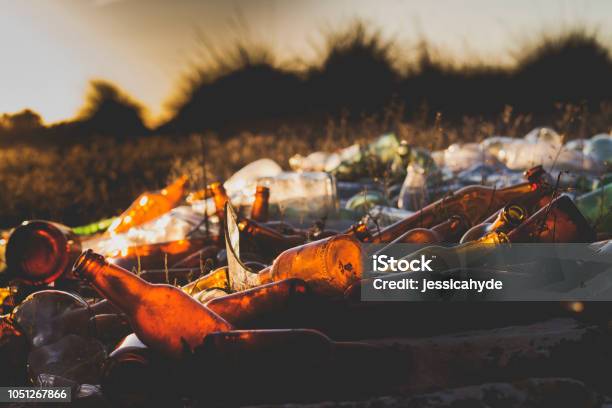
[{"x": 84, "y": 182}]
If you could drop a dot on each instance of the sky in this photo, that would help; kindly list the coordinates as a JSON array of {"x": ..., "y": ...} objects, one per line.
[{"x": 51, "y": 49}]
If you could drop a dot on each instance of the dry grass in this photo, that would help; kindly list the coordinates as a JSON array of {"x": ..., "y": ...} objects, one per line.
[{"x": 82, "y": 183}]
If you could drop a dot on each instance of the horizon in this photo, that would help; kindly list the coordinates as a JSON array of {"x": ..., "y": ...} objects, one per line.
[{"x": 148, "y": 47}]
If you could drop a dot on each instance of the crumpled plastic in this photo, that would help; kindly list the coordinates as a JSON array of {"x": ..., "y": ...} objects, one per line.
[
  {"x": 323, "y": 161},
  {"x": 541, "y": 146},
  {"x": 600, "y": 148},
  {"x": 458, "y": 157}
]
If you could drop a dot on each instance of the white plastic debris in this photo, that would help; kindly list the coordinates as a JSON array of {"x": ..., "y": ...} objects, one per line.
[
  {"x": 600, "y": 148},
  {"x": 544, "y": 135},
  {"x": 458, "y": 157},
  {"x": 251, "y": 172},
  {"x": 540, "y": 146}
]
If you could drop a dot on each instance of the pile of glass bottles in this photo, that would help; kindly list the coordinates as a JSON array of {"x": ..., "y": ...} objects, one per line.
[{"x": 119, "y": 310}]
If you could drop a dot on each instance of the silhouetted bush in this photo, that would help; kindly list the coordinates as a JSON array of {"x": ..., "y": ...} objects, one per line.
[
  {"x": 359, "y": 74},
  {"x": 110, "y": 112}
]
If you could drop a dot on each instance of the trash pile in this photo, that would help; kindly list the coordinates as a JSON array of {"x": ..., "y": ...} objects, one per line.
[{"x": 247, "y": 291}]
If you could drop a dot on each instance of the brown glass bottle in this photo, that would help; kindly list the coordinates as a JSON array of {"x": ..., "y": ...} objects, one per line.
[
  {"x": 559, "y": 221},
  {"x": 464, "y": 255},
  {"x": 149, "y": 206},
  {"x": 448, "y": 231},
  {"x": 267, "y": 240},
  {"x": 474, "y": 203},
  {"x": 328, "y": 266},
  {"x": 244, "y": 309},
  {"x": 220, "y": 198},
  {"x": 154, "y": 256},
  {"x": 39, "y": 252},
  {"x": 259, "y": 211},
  {"x": 508, "y": 218},
  {"x": 157, "y": 313}
]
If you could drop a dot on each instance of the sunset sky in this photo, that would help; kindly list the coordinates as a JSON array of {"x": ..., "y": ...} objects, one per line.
[{"x": 52, "y": 48}]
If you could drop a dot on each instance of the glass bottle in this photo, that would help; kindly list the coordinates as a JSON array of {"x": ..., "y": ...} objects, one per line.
[
  {"x": 259, "y": 210},
  {"x": 474, "y": 203},
  {"x": 243, "y": 309},
  {"x": 507, "y": 219},
  {"x": 220, "y": 198},
  {"x": 157, "y": 313},
  {"x": 39, "y": 252},
  {"x": 448, "y": 231},
  {"x": 559, "y": 221},
  {"x": 266, "y": 240},
  {"x": 328, "y": 266},
  {"x": 148, "y": 206}
]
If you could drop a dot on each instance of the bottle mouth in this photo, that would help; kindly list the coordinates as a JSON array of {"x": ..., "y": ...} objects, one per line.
[
  {"x": 262, "y": 190},
  {"x": 85, "y": 261},
  {"x": 37, "y": 253},
  {"x": 515, "y": 214},
  {"x": 538, "y": 176}
]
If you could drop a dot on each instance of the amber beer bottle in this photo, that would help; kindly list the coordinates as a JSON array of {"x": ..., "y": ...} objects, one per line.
[
  {"x": 507, "y": 219},
  {"x": 328, "y": 266},
  {"x": 266, "y": 239},
  {"x": 219, "y": 197},
  {"x": 559, "y": 221},
  {"x": 475, "y": 203},
  {"x": 39, "y": 252},
  {"x": 244, "y": 309},
  {"x": 442, "y": 258},
  {"x": 448, "y": 231},
  {"x": 259, "y": 211},
  {"x": 162, "y": 316}
]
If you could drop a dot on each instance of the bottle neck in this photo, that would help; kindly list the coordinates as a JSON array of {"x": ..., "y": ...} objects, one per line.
[
  {"x": 559, "y": 221},
  {"x": 112, "y": 281},
  {"x": 474, "y": 203},
  {"x": 259, "y": 211},
  {"x": 219, "y": 197},
  {"x": 258, "y": 231}
]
